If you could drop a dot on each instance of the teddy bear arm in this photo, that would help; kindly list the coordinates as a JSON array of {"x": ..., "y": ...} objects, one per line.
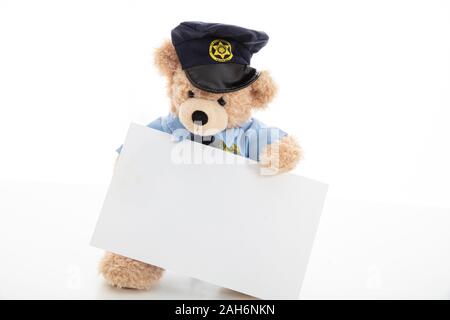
[{"x": 282, "y": 155}]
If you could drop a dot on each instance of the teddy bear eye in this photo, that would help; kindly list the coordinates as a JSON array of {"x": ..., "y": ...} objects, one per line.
[
  {"x": 191, "y": 94},
  {"x": 221, "y": 101}
]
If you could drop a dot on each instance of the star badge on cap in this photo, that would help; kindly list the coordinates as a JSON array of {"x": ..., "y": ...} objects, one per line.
[
  {"x": 227, "y": 66},
  {"x": 220, "y": 50}
]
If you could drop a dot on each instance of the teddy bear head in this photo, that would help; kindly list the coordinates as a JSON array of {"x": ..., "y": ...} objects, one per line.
[{"x": 206, "y": 113}]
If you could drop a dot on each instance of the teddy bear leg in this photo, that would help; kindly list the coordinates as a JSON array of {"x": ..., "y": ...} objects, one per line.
[
  {"x": 123, "y": 272},
  {"x": 281, "y": 156}
]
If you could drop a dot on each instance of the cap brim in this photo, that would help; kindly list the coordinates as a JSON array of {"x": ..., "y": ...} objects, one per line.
[{"x": 221, "y": 78}]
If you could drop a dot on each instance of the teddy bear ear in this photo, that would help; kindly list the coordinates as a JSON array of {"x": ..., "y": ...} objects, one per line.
[
  {"x": 263, "y": 90},
  {"x": 166, "y": 59}
]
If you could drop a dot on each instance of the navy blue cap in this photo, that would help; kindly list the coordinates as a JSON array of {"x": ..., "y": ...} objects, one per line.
[{"x": 216, "y": 57}]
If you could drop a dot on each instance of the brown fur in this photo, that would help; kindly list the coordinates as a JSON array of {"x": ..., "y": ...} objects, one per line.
[
  {"x": 166, "y": 59},
  {"x": 263, "y": 90},
  {"x": 282, "y": 155},
  {"x": 123, "y": 272}
]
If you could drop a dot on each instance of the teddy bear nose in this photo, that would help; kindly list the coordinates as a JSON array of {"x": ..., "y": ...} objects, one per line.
[{"x": 199, "y": 117}]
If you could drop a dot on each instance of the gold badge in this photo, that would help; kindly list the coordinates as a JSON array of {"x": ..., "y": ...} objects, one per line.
[
  {"x": 220, "y": 50},
  {"x": 234, "y": 148}
]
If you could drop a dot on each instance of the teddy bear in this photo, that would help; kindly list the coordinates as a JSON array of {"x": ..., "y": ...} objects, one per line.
[{"x": 213, "y": 92}]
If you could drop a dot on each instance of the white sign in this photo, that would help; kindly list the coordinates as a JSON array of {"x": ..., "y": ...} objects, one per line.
[{"x": 213, "y": 217}]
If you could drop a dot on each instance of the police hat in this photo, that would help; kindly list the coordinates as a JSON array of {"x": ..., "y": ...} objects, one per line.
[{"x": 216, "y": 57}]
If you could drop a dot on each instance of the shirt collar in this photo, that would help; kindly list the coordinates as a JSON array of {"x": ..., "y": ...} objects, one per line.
[
  {"x": 176, "y": 128},
  {"x": 229, "y": 136}
]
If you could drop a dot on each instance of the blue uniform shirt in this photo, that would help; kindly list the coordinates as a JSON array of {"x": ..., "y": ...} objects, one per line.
[{"x": 247, "y": 140}]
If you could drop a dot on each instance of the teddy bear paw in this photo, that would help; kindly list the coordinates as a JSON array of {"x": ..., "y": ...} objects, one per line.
[
  {"x": 123, "y": 272},
  {"x": 281, "y": 156}
]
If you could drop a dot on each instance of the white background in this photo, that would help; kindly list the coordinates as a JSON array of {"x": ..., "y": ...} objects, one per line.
[{"x": 364, "y": 85}]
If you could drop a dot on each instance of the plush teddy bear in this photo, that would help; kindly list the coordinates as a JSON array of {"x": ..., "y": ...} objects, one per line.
[{"x": 213, "y": 93}]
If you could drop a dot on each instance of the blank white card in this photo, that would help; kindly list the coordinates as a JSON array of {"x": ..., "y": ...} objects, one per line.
[{"x": 210, "y": 214}]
